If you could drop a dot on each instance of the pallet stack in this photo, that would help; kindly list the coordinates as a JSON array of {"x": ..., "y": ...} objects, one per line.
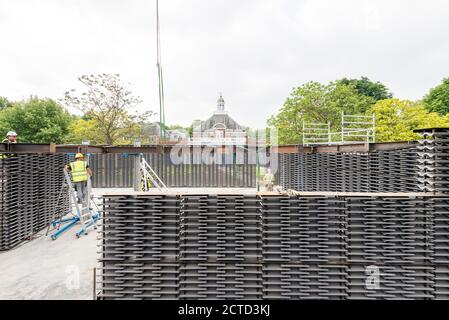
[
  {"x": 29, "y": 187},
  {"x": 434, "y": 160},
  {"x": 140, "y": 247},
  {"x": 304, "y": 252},
  {"x": 385, "y": 171},
  {"x": 394, "y": 235},
  {"x": 203, "y": 246}
]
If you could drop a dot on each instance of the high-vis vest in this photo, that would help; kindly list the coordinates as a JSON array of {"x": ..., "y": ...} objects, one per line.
[
  {"x": 269, "y": 177},
  {"x": 6, "y": 156},
  {"x": 79, "y": 171}
]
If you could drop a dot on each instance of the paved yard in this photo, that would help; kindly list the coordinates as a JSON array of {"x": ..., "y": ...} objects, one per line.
[{"x": 47, "y": 269}]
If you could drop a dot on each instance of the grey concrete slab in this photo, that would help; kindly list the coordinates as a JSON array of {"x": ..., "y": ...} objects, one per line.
[{"x": 50, "y": 269}]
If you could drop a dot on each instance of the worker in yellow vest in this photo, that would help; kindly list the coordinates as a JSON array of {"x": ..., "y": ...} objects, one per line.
[
  {"x": 144, "y": 186},
  {"x": 268, "y": 180},
  {"x": 80, "y": 174}
]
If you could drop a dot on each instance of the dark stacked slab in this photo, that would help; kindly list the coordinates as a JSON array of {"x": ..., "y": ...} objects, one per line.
[
  {"x": 204, "y": 246},
  {"x": 434, "y": 160},
  {"x": 385, "y": 171},
  {"x": 140, "y": 248},
  {"x": 392, "y": 236},
  {"x": 304, "y": 252},
  {"x": 29, "y": 187}
]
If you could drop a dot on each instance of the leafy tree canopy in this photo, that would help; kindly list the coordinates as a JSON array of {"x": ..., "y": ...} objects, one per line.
[
  {"x": 364, "y": 86},
  {"x": 82, "y": 129},
  {"x": 396, "y": 119},
  {"x": 36, "y": 121},
  {"x": 438, "y": 98},
  {"x": 4, "y": 103},
  {"x": 108, "y": 101},
  {"x": 317, "y": 103}
]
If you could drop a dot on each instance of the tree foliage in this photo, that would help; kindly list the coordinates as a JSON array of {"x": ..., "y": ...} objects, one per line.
[
  {"x": 36, "y": 121},
  {"x": 438, "y": 98},
  {"x": 396, "y": 119},
  {"x": 82, "y": 129},
  {"x": 364, "y": 86},
  {"x": 316, "y": 103},
  {"x": 108, "y": 102},
  {"x": 4, "y": 103}
]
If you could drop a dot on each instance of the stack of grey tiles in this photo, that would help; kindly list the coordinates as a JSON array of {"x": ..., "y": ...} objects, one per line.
[
  {"x": 140, "y": 248},
  {"x": 30, "y": 184},
  {"x": 393, "y": 237},
  {"x": 220, "y": 247},
  {"x": 434, "y": 160},
  {"x": 275, "y": 247},
  {"x": 304, "y": 252},
  {"x": 433, "y": 171},
  {"x": 440, "y": 245},
  {"x": 384, "y": 171}
]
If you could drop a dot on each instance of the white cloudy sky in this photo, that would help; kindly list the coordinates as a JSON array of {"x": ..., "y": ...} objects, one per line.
[{"x": 254, "y": 51}]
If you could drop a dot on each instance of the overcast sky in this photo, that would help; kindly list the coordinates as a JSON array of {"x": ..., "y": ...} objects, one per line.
[{"x": 254, "y": 51}]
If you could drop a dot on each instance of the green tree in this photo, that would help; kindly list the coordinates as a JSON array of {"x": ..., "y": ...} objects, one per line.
[
  {"x": 346, "y": 98},
  {"x": 438, "y": 98},
  {"x": 179, "y": 128},
  {"x": 83, "y": 129},
  {"x": 364, "y": 86},
  {"x": 316, "y": 103},
  {"x": 107, "y": 101},
  {"x": 175, "y": 127},
  {"x": 36, "y": 121},
  {"x": 396, "y": 119},
  {"x": 4, "y": 103}
]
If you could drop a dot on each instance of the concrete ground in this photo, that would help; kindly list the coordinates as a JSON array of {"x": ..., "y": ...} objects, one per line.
[
  {"x": 45, "y": 269},
  {"x": 62, "y": 269}
]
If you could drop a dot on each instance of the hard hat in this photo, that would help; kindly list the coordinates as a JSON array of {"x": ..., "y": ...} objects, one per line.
[
  {"x": 11, "y": 134},
  {"x": 79, "y": 156}
]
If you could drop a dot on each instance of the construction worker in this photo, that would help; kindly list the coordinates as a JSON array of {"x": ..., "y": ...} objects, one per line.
[
  {"x": 80, "y": 174},
  {"x": 11, "y": 137},
  {"x": 145, "y": 186},
  {"x": 268, "y": 180}
]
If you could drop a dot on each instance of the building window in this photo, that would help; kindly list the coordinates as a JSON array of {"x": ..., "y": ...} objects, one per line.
[{"x": 219, "y": 134}]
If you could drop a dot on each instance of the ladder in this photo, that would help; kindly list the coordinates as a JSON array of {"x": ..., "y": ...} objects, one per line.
[
  {"x": 83, "y": 214},
  {"x": 148, "y": 176}
]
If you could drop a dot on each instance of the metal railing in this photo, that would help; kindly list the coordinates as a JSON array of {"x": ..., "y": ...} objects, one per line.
[
  {"x": 148, "y": 174},
  {"x": 354, "y": 129},
  {"x": 357, "y": 128},
  {"x": 316, "y": 133}
]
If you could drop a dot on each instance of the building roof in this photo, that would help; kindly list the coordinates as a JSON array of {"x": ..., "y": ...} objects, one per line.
[{"x": 220, "y": 119}]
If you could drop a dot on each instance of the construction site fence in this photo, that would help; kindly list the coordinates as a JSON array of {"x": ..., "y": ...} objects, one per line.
[
  {"x": 29, "y": 189},
  {"x": 202, "y": 246},
  {"x": 118, "y": 171}
]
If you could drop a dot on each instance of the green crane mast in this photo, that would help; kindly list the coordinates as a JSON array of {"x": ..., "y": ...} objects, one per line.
[{"x": 162, "y": 131}]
